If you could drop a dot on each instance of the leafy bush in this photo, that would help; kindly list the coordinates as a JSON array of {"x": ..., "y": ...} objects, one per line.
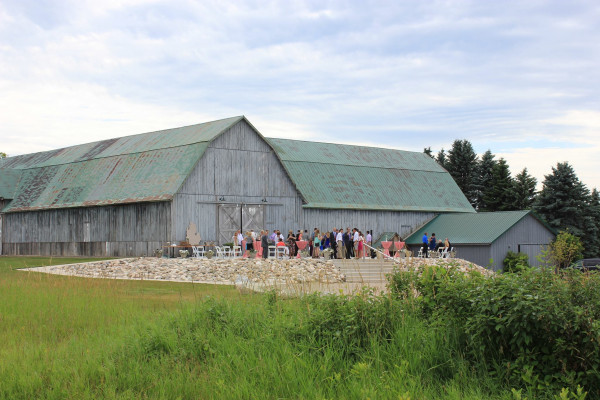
[
  {"x": 515, "y": 262},
  {"x": 536, "y": 328},
  {"x": 563, "y": 251},
  {"x": 348, "y": 323}
]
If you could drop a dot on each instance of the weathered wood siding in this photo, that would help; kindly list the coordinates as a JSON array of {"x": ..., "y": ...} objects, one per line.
[
  {"x": 119, "y": 230},
  {"x": 529, "y": 234},
  {"x": 378, "y": 221},
  {"x": 240, "y": 167}
]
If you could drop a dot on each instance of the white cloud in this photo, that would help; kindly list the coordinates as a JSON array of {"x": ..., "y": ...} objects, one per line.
[{"x": 405, "y": 74}]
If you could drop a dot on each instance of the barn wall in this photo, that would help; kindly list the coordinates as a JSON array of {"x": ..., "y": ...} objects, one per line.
[
  {"x": 378, "y": 221},
  {"x": 477, "y": 254},
  {"x": 120, "y": 230},
  {"x": 242, "y": 168},
  {"x": 529, "y": 233}
]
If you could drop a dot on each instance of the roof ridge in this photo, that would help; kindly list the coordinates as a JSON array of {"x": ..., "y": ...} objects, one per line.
[{"x": 345, "y": 144}]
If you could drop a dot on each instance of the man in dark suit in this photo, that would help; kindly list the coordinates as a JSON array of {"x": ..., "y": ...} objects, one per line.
[
  {"x": 347, "y": 240},
  {"x": 332, "y": 236},
  {"x": 264, "y": 242}
]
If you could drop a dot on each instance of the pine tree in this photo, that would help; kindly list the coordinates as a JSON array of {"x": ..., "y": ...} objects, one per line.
[
  {"x": 500, "y": 196},
  {"x": 484, "y": 179},
  {"x": 441, "y": 158},
  {"x": 591, "y": 226},
  {"x": 462, "y": 165},
  {"x": 562, "y": 200},
  {"x": 524, "y": 190}
]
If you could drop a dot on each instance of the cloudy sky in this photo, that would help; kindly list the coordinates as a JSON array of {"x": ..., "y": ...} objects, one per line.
[{"x": 521, "y": 78}]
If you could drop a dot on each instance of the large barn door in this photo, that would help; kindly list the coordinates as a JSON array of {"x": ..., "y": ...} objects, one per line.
[
  {"x": 253, "y": 218},
  {"x": 230, "y": 220},
  {"x": 236, "y": 216}
]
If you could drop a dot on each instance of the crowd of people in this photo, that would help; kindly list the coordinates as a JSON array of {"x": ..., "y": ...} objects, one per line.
[
  {"x": 432, "y": 244},
  {"x": 343, "y": 243}
]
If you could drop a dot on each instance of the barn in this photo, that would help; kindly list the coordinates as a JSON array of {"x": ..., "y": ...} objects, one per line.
[
  {"x": 485, "y": 238},
  {"x": 128, "y": 196}
]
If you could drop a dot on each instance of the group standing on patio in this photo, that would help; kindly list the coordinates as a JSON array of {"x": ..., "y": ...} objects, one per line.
[
  {"x": 431, "y": 244},
  {"x": 343, "y": 244}
]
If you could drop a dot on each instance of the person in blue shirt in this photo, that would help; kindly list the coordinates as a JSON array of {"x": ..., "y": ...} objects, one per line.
[{"x": 425, "y": 245}]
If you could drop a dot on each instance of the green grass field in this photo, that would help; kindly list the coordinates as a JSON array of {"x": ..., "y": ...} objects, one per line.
[{"x": 73, "y": 338}]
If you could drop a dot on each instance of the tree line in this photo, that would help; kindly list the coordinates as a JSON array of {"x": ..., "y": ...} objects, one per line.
[{"x": 564, "y": 202}]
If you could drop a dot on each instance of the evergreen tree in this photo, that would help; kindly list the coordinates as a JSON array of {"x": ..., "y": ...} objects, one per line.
[
  {"x": 524, "y": 190},
  {"x": 427, "y": 150},
  {"x": 441, "y": 158},
  {"x": 500, "y": 196},
  {"x": 592, "y": 226},
  {"x": 462, "y": 165},
  {"x": 483, "y": 182},
  {"x": 563, "y": 200}
]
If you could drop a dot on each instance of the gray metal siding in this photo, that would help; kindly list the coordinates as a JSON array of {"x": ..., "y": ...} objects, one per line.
[
  {"x": 479, "y": 255},
  {"x": 120, "y": 230},
  {"x": 528, "y": 231}
]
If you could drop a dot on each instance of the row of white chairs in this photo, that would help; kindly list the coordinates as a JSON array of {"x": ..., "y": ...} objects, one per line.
[
  {"x": 236, "y": 251},
  {"x": 219, "y": 251},
  {"x": 442, "y": 253}
]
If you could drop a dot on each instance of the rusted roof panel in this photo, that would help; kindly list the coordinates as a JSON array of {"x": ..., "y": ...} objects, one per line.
[
  {"x": 146, "y": 167},
  {"x": 355, "y": 177},
  {"x": 9, "y": 178},
  {"x": 150, "y": 176}
]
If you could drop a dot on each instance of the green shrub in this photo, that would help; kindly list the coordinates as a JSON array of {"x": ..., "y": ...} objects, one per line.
[
  {"x": 535, "y": 328},
  {"x": 348, "y": 323},
  {"x": 515, "y": 262}
]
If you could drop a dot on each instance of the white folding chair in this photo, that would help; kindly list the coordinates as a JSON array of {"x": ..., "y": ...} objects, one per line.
[
  {"x": 281, "y": 252},
  {"x": 420, "y": 253},
  {"x": 236, "y": 251},
  {"x": 220, "y": 252},
  {"x": 272, "y": 251},
  {"x": 227, "y": 251},
  {"x": 198, "y": 251}
]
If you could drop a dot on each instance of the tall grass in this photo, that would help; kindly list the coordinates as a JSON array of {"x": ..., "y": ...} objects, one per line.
[{"x": 69, "y": 337}]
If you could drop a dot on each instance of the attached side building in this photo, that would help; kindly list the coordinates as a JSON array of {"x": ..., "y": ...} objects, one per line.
[
  {"x": 128, "y": 196},
  {"x": 485, "y": 238}
]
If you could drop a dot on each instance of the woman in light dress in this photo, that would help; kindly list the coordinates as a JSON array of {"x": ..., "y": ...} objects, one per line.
[{"x": 317, "y": 244}]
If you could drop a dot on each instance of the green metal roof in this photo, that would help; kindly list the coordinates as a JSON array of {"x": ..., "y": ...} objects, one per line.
[
  {"x": 146, "y": 167},
  {"x": 357, "y": 177},
  {"x": 9, "y": 178},
  {"x": 152, "y": 167},
  {"x": 473, "y": 228}
]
